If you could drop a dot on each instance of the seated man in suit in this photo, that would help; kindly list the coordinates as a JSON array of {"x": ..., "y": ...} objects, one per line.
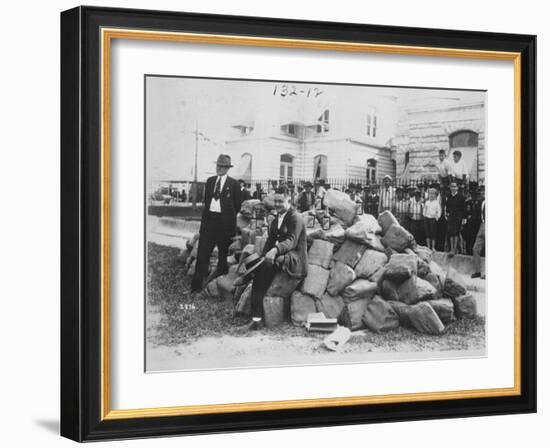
[
  {"x": 219, "y": 221},
  {"x": 285, "y": 249}
]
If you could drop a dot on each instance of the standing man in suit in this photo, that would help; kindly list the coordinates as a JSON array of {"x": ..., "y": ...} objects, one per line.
[
  {"x": 222, "y": 201},
  {"x": 285, "y": 250}
]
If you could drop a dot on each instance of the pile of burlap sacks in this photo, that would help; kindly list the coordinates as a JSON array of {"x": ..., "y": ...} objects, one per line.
[{"x": 364, "y": 272}]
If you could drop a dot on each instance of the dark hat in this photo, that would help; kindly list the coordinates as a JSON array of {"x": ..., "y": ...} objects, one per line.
[
  {"x": 251, "y": 263},
  {"x": 308, "y": 184},
  {"x": 224, "y": 160}
]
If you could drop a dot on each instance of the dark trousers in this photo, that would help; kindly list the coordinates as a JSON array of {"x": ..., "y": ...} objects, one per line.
[
  {"x": 213, "y": 234},
  {"x": 263, "y": 276},
  {"x": 416, "y": 227}
]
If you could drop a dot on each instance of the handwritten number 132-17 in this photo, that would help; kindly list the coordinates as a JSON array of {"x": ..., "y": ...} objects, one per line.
[{"x": 291, "y": 90}]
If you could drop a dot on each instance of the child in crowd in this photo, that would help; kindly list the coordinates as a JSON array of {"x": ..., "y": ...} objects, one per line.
[
  {"x": 402, "y": 208},
  {"x": 416, "y": 218},
  {"x": 455, "y": 211},
  {"x": 432, "y": 213}
]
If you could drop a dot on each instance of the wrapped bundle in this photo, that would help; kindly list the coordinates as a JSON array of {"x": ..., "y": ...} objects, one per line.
[
  {"x": 316, "y": 281},
  {"x": 380, "y": 316},
  {"x": 320, "y": 253},
  {"x": 350, "y": 253},
  {"x": 386, "y": 220},
  {"x": 341, "y": 206},
  {"x": 397, "y": 238},
  {"x": 341, "y": 275},
  {"x": 370, "y": 262},
  {"x": 331, "y": 306},
  {"x": 274, "y": 311},
  {"x": 359, "y": 289},
  {"x": 301, "y": 305},
  {"x": 424, "y": 319}
]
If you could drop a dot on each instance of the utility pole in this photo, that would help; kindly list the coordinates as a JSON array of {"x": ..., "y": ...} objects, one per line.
[{"x": 195, "y": 185}]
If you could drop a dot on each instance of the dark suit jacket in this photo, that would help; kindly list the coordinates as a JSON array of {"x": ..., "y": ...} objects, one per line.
[
  {"x": 230, "y": 203},
  {"x": 291, "y": 243},
  {"x": 245, "y": 195}
]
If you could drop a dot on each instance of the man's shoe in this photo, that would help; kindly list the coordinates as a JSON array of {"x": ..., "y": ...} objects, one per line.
[
  {"x": 482, "y": 277},
  {"x": 476, "y": 275}
]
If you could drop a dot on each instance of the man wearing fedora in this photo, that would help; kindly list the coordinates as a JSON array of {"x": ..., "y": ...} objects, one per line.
[
  {"x": 285, "y": 250},
  {"x": 222, "y": 201}
]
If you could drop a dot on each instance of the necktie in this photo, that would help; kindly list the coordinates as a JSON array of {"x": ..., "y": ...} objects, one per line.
[{"x": 217, "y": 189}]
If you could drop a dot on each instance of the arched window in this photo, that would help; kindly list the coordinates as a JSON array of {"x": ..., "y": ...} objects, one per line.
[
  {"x": 320, "y": 167},
  {"x": 286, "y": 167},
  {"x": 462, "y": 139},
  {"x": 371, "y": 170}
]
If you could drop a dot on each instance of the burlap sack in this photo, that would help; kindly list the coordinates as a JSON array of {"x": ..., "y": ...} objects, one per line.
[
  {"x": 301, "y": 305},
  {"x": 350, "y": 253},
  {"x": 352, "y": 314},
  {"x": 259, "y": 244},
  {"x": 397, "y": 238},
  {"x": 212, "y": 289},
  {"x": 274, "y": 311},
  {"x": 226, "y": 288},
  {"x": 316, "y": 281},
  {"x": 336, "y": 234},
  {"x": 422, "y": 268},
  {"x": 386, "y": 220},
  {"x": 359, "y": 289},
  {"x": 375, "y": 243},
  {"x": 424, "y": 319},
  {"x": 402, "y": 310},
  {"x": 283, "y": 285},
  {"x": 341, "y": 206},
  {"x": 244, "y": 304},
  {"x": 439, "y": 271},
  {"x": 400, "y": 267},
  {"x": 444, "y": 308},
  {"x": 363, "y": 230},
  {"x": 320, "y": 253},
  {"x": 378, "y": 276},
  {"x": 388, "y": 290},
  {"x": 453, "y": 287},
  {"x": 416, "y": 289},
  {"x": 435, "y": 282},
  {"x": 331, "y": 306},
  {"x": 341, "y": 275},
  {"x": 423, "y": 253},
  {"x": 380, "y": 316},
  {"x": 465, "y": 306},
  {"x": 248, "y": 206},
  {"x": 370, "y": 262}
]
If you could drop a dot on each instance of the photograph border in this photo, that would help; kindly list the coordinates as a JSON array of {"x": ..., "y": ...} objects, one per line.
[{"x": 86, "y": 37}]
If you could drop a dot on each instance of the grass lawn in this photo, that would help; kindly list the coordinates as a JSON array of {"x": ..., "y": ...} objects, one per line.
[{"x": 180, "y": 319}]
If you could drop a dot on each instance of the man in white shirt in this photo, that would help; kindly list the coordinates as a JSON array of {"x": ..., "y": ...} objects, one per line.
[
  {"x": 459, "y": 171},
  {"x": 222, "y": 202},
  {"x": 387, "y": 195}
]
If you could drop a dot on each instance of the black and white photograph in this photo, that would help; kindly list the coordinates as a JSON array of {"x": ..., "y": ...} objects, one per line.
[{"x": 293, "y": 223}]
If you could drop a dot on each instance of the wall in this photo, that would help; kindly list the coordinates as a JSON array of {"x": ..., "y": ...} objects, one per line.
[
  {"x": 29, "y": 168},
  {"x": 422, "y": 132}
]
